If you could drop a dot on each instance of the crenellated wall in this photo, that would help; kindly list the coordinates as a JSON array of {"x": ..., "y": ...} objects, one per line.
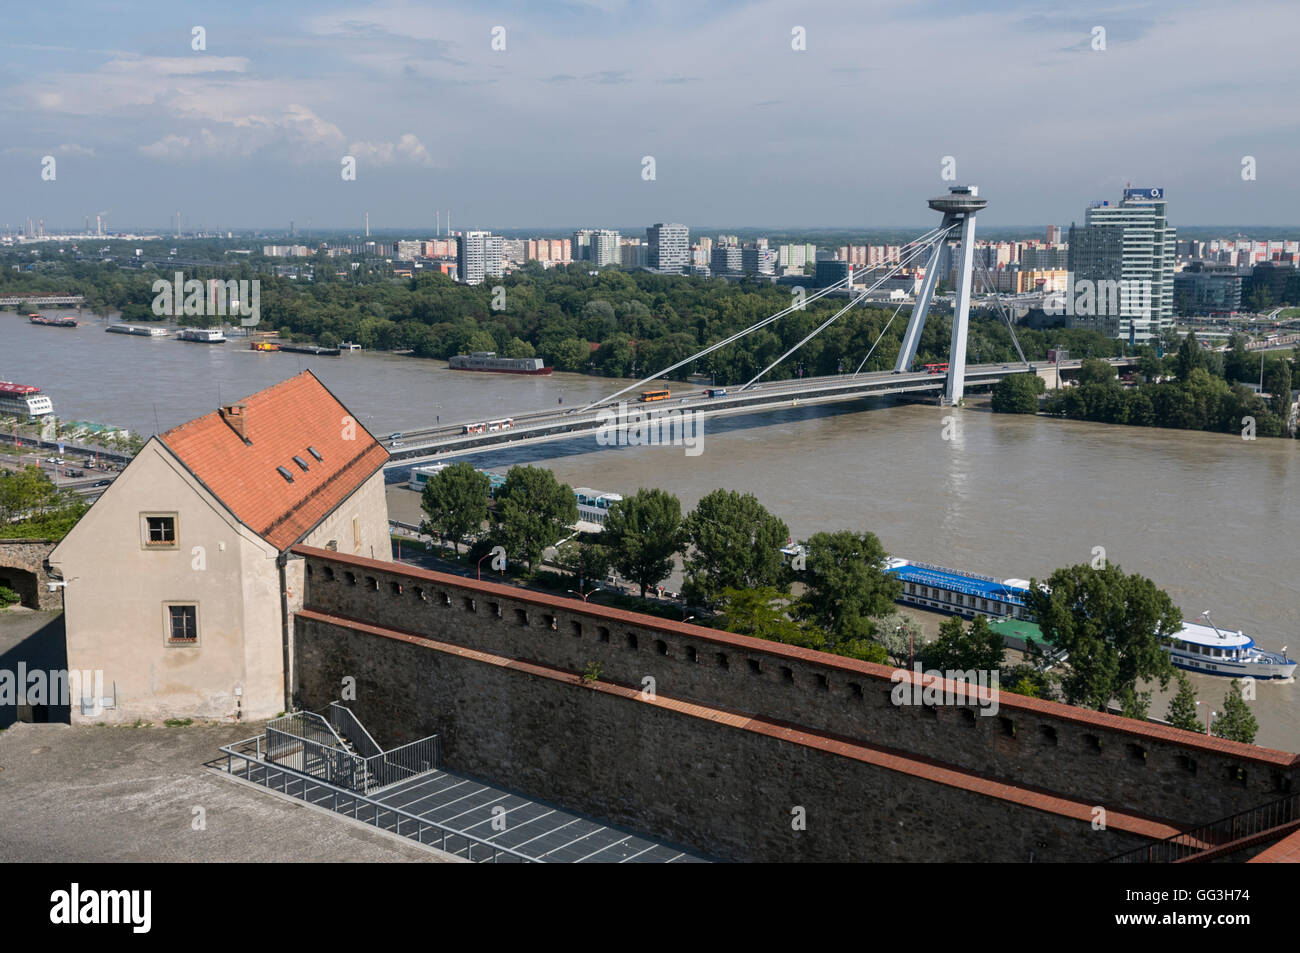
[{"x": 713, "y": 739}]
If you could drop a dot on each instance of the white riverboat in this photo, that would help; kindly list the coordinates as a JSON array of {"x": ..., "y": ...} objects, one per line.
[
  {"x": 1198, "y": 646},
  {"x": 1210, "y": 650},
  {"x": 202, "y": 335}
]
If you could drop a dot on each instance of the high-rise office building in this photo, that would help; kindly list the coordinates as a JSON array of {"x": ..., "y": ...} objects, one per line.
[
  {"x": 1125, "y": 253},
  {"x": 757, "y": 259},
  {"x": 1053, "y": 234},
  {"x": 581, "y": 247},
  {"x": 479, "y": 256},
  {"x": 726, "y": 259},
  {"x": 669, "y": 247},
  {"x": 604, "y": 248}
]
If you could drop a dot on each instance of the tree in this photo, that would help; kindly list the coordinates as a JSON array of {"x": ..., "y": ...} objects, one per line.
[
  {"x": 900, "y": 635},
  {"x": 1189, "y": 357},
  {"x": 1182, "y": 709},
  {"x": 1235, "y": 722},
  {"x": 455, "y": 503},
  {"x": 588, "y": 563},
  {"x": 1277, "y": 381},
  {"x": 1017, "y": 394},
  {"x": 735, "y": 543},
  {"x": 761, "y": 613},
  {"x": 534, "y": 511},
  {"x": 1149, "y": 365},
  {"x": 1093, "y": 370},
  {"x": 518, "y": 348},
  {"x": 846, "y": 584},
  {"x": 31, "y": 505},
  {"x": 1029, "y": 681},
  {"x": 479, "y": 341},
  {"x": 643, "y": 533},
  {"x": 1112, "y": 625},
  {"x": 570, "y": 354},
  {"x": 962, "y": 648}
]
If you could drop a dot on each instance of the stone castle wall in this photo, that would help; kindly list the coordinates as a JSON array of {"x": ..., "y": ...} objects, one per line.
[{"x": 713, "y": 739}]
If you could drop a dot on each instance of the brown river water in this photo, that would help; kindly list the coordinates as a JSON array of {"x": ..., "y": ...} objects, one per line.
[{"x": 1211, "y": 518}]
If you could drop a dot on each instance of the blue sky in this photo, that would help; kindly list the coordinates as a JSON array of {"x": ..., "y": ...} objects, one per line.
[{"x": 551, "y": 131}]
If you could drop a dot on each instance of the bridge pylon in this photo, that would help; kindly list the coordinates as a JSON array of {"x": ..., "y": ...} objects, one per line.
[{"x": 958, "y": 207}]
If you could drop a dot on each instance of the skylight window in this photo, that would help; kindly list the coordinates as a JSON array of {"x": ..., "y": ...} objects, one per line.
[
  {"x": 315, "y": 453},
  {"x": 284, "y": 472},
  {"x": 301, "y": 462}
]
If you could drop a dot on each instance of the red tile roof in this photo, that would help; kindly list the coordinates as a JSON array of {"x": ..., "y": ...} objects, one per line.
[
  {"x": 280, "y": 423},
  {"x": 1285, "y": 851}
]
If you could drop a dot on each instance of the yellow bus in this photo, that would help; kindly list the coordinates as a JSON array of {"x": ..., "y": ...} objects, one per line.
[{"x": 649, "y": 395}]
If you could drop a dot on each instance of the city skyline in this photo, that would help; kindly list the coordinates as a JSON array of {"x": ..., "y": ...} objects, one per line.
[{"x": 553, "y": 126}]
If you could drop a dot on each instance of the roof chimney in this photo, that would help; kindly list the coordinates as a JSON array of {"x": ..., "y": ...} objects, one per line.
[{"x": 235, "y": 415}]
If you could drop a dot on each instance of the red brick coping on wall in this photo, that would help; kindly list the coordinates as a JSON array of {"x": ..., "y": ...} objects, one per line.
[
  {"x": 1193, "y": 741},
  {"x": 888, "y": 759}
]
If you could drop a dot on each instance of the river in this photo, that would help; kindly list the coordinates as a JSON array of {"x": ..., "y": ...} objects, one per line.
[{"x": 1211, "y": 518}]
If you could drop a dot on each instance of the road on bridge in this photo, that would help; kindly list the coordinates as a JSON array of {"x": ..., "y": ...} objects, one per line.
[{"x": 453, "y": 440}]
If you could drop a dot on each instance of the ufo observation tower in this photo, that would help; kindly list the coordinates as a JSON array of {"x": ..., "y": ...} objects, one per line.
[{"x": 959, "y": 207}]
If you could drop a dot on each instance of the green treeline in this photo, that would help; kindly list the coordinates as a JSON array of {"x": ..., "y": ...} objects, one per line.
[
  {"x": 616, "y": 324},
  {"x": 1189, "y": 389}
]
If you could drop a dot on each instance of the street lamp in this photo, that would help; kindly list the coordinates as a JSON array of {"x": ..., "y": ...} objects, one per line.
[
  {"x": 1208, "y": 715},
  {"x": 686, "y": 618},
  {"x": 480, "y": 567},
  {"x": 584, "y": 595}
]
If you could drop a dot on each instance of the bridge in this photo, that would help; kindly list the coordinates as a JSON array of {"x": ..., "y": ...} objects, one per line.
[
  {"x": 49, "y": 301},
  {"x": 958, "y": 208},
  {"x": 447, "y": 442}
]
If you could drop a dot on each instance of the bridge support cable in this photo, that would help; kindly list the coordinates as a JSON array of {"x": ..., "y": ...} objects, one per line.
[
  {"x": 852, "y": 301},
  {"x": 1002, "y": 310},
  {"x": 847, "y": 281},
  {"x": 879, "y": 338}
]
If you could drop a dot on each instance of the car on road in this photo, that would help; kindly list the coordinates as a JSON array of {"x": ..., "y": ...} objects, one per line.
[
  {"x": 101, "y": 483},
  {"x": 397, "y": 443},
  {"x": 395, "y": 436}
]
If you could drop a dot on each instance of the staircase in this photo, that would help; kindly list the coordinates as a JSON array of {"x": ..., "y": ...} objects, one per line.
[{"x": 1216, "y": 840}]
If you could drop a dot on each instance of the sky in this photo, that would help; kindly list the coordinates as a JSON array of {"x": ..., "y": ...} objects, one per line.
[{"x": 553, "y": 127}]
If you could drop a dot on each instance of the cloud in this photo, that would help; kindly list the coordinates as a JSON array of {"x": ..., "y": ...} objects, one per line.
[
  {"x": 408, "y": 150},
  {"x": 66, "y": 149}
]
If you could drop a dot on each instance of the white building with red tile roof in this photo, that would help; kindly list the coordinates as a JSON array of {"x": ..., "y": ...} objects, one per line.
[{"x": 180, "y": 586}]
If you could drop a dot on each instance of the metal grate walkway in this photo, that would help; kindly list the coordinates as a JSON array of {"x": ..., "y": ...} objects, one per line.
[
  {"x": 538, "y": 830},
  {"x": 455, "y": 813}
]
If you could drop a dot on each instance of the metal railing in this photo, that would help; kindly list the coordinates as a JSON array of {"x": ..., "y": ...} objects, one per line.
[
  {"x": 348, "y": 726},
  {"x": 277, "y": 777},
  {"x": 336, "y": 748},
  {"x": 389, "y": 767},
  {"x": 1207, "y": 837}
]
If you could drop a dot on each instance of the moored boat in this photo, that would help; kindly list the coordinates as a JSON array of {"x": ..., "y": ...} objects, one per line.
[
  {"x": 1198, "y": 646},
  {"x": 201, "y": 335},
  {"x": 488, "y": 361},
  {"x": 1205, "y": 648},
  {"x": 136, "y": 329}
]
